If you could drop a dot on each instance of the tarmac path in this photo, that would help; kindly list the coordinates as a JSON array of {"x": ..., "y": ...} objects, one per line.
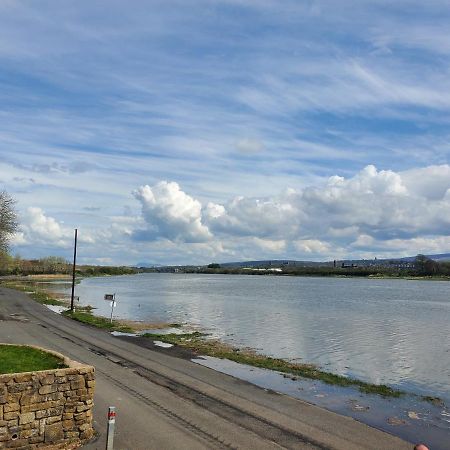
[{"x": 164, "y": 402}]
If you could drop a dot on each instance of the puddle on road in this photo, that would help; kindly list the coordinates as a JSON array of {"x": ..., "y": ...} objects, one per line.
[
  {"x": 56, "y": 308},
  {"x": 162, "y": 344},
  {"x": 409, "y": 417}
]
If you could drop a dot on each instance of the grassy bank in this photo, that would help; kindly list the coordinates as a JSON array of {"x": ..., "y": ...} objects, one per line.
[
  {"x": 17, "y": 358},
  {"x": 86, "y": 316},
  {"x": 199, "y": 344},
  {"x": 45, "y": 298}
]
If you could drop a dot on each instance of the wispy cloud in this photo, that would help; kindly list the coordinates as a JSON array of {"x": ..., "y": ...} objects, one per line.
[{"x": 230, "y": 99}]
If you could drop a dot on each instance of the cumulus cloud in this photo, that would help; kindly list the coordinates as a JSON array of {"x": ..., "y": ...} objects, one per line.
[
  {"x": 170, "y": 213},
  {"x": 270, "y": 245},
  {"x": 370, "y": 211},
  {"x": 38, "y": 228},
  {"x": 313, "y": 246}
]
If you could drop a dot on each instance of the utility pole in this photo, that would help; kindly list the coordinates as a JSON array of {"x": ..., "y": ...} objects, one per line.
[{"x": 73, "y": 269}]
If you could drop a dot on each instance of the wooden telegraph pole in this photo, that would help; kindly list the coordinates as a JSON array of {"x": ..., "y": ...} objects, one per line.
[{"x": 73, "y": 270}]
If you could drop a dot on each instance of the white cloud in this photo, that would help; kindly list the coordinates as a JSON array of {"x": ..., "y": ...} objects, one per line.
[
  {"x": 170, "y": 213},
  {"x": 250, "y": 146},
  {"x": 37, "y": 228},
  {"x": 270, "y": 245},
  {"x": 313, "y": 246},
  {"x": 341, "y": 215}
]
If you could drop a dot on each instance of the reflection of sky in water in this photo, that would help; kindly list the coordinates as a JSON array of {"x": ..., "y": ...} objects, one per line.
[
  {"x": 384, "y": 331},
  {"x": 424, "y": 422}
]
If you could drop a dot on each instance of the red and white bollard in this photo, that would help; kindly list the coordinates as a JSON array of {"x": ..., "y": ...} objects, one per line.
[{"x": 110, "y": 429}]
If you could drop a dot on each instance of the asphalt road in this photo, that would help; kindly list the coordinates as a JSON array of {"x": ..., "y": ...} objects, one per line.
[{"x": 164, "y": 402}]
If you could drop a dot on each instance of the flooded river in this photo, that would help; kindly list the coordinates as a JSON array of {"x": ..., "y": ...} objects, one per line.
[{"x": 395, "y": 332}]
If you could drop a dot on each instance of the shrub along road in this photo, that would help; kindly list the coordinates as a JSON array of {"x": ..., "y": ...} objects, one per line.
[{"x": 163, "y": 402}]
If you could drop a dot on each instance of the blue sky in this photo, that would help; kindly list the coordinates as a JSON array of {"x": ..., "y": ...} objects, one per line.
[{"x": 199, "y": 131}]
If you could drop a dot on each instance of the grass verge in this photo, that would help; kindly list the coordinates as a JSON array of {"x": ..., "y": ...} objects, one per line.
[
  {"x": 40, "y": 296},
  {"x": 85, "y": 316},
  {"x": 17, "y": 358},
  {"x": 196, "y": 342}
]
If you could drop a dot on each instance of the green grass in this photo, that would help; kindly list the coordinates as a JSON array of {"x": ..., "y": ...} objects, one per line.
[
  {"x": 86, "y": 316},
  {"x": 35, "y": 293},
  {"x": 196, "y": 342},
  {"x": 16, "y": 358}
]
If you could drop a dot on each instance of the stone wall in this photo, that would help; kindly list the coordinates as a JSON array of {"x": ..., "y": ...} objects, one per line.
[{"x": 47, "y": 409}]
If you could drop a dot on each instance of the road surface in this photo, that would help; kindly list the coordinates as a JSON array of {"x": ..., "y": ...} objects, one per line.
[{"x": 163, "y": 402}]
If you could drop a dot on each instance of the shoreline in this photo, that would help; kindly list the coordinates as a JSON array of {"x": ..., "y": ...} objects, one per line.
[{"x": 197, "y": 344}]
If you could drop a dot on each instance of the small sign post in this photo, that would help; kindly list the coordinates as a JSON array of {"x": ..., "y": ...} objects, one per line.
[
  {"x": 110, "y": 429},
  {"x": 111, "y": 298}
]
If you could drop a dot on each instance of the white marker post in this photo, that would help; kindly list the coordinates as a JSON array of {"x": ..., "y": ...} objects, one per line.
[
  {"x": 112, "y": 299},
  {"x": 110, "y": 430}
]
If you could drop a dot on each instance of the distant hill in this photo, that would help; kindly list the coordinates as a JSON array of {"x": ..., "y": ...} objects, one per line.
[
  {"x": 267, "y": 263},
  {"x": 301, "y": 263}
]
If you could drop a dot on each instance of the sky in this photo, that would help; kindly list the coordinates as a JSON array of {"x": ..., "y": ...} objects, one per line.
[{"x": 198, "y": 131}]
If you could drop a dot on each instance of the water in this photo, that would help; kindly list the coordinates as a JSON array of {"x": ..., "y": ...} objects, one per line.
[{"x": 394, "y": 332}]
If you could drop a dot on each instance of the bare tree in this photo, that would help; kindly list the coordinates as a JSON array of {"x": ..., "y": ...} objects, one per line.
[{"x": 8, "y": 220}]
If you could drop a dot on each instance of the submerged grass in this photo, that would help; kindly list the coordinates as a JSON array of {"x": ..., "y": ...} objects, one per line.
[
  {"x": 196, "y": 342},
  {"x": 18, "y": 358}
]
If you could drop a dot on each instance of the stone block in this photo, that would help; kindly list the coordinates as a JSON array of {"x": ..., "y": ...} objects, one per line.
[
  {"x": 87, "y": 434},
  {"x": 29, "y": 398},
  {"x": 36, "y": 439},
  {"x": 77, "y": 384},
  {"x": 26, "y": 418},
  {"x": 22, "y": 443},
  {"x": 48, "y": 379},
  {"x": 1, "y": 412},
  {"x": 26, "y": 434},
  {"x": 63, "y": 387},
  {"x": 89, "y": 376},
  {"x": 53, "y": 419},
  {"x": 19, "y": 387},
  {"x": 49, "y": 412},
  {"x": 48, "y": 389},
  {"x": 60, "y": 379},
  {"x": 22, "y": 377},
  {"x": 54, "y": 432},
  {"x": 82, "y": 408},
  {"x": 72, "y": 434},
  {"x": 84, "y": 426},
  {"x": 14, "y": 398},
  {"x": 10, "y": 415},
  {"x": 10, "y": 407},
  {"x": 80, "y": 416},
  {"x": 69, "y": 425},
  {"x": 40, "y": 406}
]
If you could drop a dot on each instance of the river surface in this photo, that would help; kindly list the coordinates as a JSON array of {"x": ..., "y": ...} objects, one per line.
[{"x": 395, "y": 332}]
